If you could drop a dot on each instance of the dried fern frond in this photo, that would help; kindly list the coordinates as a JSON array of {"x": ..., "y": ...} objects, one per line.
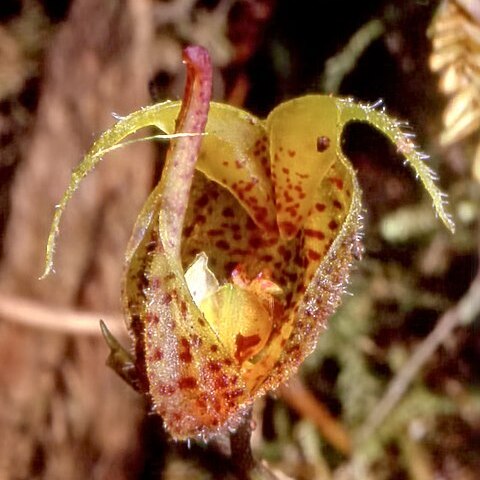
[{"x": 455, "y": 33}]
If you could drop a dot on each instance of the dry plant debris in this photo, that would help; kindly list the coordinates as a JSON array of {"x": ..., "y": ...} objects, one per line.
[{"x": 455, "y": 33}]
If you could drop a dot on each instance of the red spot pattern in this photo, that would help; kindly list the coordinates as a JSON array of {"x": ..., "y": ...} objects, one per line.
[
  {"x": 228, "y": 212},
  {"x": 152, "y": 318},
  {"x": 290, "y": 191},
  {"x": 288, "y": 227},
  {"x": 202, "y": 201},
  {"x": 243, "y": 344},
  {"x": 214, "y": 232},
  {"x": 229, "y": 237},
  {"x": 185, "y": 354},
  {"x": 165, "y": 390},
  {"x": 323, "y": 143},
  {"x": 223, "y": 245},
  {"x": 309, "y": 232},
  {"x": 157, "y": 355},
  {"x": 338, "y": 182},
  {"x": 214, "y": 366},
  {"x": 186, "y": 383},
  {"x": 255, "y": 242},
  {"x": 221, "y": 381},
  {"x": 332, "y": 225},
  {"x": 285, "y": 253},
  {"x": 234, "y": 393}
]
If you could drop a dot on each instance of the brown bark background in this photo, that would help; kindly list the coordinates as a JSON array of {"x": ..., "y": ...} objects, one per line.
[{"x": 62, "y": 415}]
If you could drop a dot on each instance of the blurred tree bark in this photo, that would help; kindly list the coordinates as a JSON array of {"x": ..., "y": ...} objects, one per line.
[
  {"x": 62, "y": 414},
  {"x": 98, "y": 64}
]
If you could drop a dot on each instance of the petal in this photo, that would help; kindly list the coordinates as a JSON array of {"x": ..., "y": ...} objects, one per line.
[
  {"x": 234, "y": 138},
  {"x": 192, "y": 381},
  {"x": 108, "y": 141},
  {"x": 217, "y": 224},
  {"x": 326, "y": 273},
  {"x": 329, "y": 242},
  {"x": 235, "y": 154},
  {"x": 330, "y": 227},
  {"x": 391, "y": 128},
  {"x": 191, "y": 378},
  {"x": 241, "y": 320},
  {"x": 303, "y": 144}
]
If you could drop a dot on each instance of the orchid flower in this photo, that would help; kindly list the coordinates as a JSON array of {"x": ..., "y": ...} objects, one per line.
[{"x": 242, "y": 251}]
